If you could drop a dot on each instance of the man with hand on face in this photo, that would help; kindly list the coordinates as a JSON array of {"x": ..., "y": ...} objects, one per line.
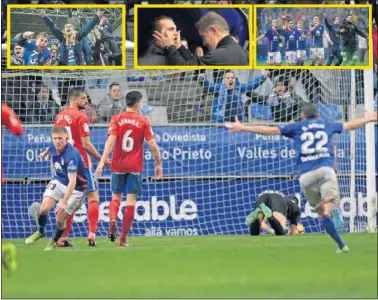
[{"x": 215, "y": 33}]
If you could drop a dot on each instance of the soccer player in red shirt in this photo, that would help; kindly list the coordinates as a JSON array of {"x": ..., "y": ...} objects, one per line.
[
  {"x": 76, "y": 123},
  {"x": 127, "y": 132}
]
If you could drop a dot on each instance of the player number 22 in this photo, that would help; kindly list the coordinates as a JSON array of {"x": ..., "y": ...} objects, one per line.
[
  {"x": 127, "y": 141},
  {"x": 308, "y": 139}
]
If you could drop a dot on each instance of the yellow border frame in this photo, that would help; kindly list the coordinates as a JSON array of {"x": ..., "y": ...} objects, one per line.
[
  {"x": 63, "y": 6},
  {"x": 141, "y": 6},
  {"x": 352, "y": 6}
]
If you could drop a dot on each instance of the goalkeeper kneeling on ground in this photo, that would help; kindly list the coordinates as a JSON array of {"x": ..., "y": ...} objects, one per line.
[{"x": 275, "y": 208}]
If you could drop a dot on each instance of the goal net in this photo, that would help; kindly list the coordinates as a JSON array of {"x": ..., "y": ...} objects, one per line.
[{"x": 212, "y": 178}]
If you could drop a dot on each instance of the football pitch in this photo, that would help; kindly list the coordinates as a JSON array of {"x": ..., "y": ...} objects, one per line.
[
  {"x": 308, "y": 63},
  {"x": 198, "y": 267}
]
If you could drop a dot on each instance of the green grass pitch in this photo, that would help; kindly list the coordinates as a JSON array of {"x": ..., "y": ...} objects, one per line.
[
  {"x": 307, "y": 63},
  {"x": 198, "y": 267}
]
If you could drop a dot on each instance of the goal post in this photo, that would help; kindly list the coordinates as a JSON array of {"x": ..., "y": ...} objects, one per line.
[{"x": 212, "y": 178}]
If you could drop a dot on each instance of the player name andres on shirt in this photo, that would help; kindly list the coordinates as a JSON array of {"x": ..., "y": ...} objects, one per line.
[{"x": 128, "y": 121}]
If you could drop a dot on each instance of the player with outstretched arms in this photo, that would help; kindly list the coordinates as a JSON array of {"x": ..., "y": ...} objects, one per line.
[
  {"x": 76, "y": 123},
  {"x": 317, "y": 32},
  {"x": 273, "y": 36},
  {"x": 315, "y": 158},
  {"x": 11, "y": 121},
  {"x": 301, "y": 52},
  {"x": 66, "y": 189},
  {"x": 275, "y": 208},
  {"x": 127, "y": 132}
]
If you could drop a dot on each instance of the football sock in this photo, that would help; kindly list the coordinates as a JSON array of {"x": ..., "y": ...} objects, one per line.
[
  {"x": 68, "y": 227},
  {"x": 254, "y": 228},
  {"x": 128, "y": 217},
  {"x": 113, "y": 209},
  {"x": 276, "y": 225},
  {"x": 93, "y": 215},
  {"x": 42, "y": 221},
  {"x": 58, "y": 234},
  {"x": 330, "y": 228}
]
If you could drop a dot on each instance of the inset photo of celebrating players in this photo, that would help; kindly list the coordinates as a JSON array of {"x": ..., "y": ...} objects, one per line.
[
  {"x": 73, "y": 37},
  {"x": 313, "y": 36},
  {"x": 192, "y": 36}
]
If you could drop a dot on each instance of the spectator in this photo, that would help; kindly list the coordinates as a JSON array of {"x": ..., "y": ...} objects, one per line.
[
  {"x": 283, "y": 106},
  {"x": 70, "y": 45},
  {"x": 17, "y": 58},
  {"x": 43, "y": 109},
  {"x": 198, "y": 51},
  {"x": 107, "y": 36},
  {"x": 74, "y": 20},
  {"x": 215, "y": 33},
  {"x": 54, "y": 55},
  {"x": 101, "y": 57},
  {"x": 35, "y": 53},
  {"x": 228, "y": 103},
  {"x": 112, "y": 104}
]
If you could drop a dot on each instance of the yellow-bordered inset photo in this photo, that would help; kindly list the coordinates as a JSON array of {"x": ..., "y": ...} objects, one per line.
[
  {"x": 313, "y": 37},
  {"x": 66, "y": 37},
  {"x": 192, "y": 36}
]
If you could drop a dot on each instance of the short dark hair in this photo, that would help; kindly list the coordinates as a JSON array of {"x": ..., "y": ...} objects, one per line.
[
  {"x": 59, "y": 130},
  {"x": 310, "y": 111},
  {"x": 113, "y": 84},
  {"x": 290, "y": 20},
  {"x": 334, "y": 18},
  {"x": 156, "y": 23},
  {"x": 133, "y": 98},
  {"x": 74, "y": 92}
]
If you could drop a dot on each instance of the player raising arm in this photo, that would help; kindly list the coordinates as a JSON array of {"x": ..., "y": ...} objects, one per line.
[
  {"x": 276, "y": 208},
  {"x": 127, "y": 132},
  {"x": 313, "y": 144},
  {"x": 66, "y": 189},
  {"x": 76, "y": 123}
]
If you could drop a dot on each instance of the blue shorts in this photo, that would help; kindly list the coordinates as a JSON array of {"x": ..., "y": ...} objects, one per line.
[
  {"x": 128, "y": 183},
  {"x": 91, "y": 180}
]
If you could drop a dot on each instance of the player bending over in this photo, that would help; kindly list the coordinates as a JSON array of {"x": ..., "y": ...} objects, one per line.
[
  {"x": 76, "y": 123},
  {"x": 10, "y": 120},
  {"x": 35, "y": 53},
  {"x": 317, "y": 32},
  {"x": 315, "y": 158},
  {"x": 273, "y": 36},
  {"x": 276, "y": 208},
  {"x": 127, "y": 132},
  {"x": 66, "y": 189}
]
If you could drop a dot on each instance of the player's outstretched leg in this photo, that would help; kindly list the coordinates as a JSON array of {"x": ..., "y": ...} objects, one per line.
[
  {"x": 327, "y": 222},
  {"x": 8, "y": 257}
]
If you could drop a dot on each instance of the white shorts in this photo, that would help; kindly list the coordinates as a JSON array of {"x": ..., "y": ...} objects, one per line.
[
  {"x": 316, "y": 53},
  {"x": 301, "y": 54},
  {"x": 320, "y": 185},
  {"x": 291, "y": 57},
  {"x": 57, "y": 191},
  {"x": 274, "y": 58}
]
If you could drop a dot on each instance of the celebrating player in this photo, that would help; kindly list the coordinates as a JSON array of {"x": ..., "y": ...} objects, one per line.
[
  {"x": 35, "y": 53},
  {"x": 66, "y": 189},
  {"x": 349, "y": 31},
  {"x": 313, "y": 144},
  {"x": 127, "y": 132},
  {"x": 276, "y": 207},
  {"x": 334, "y": 34},
  {"x": 301, "y": 52},
  {"x": 317, "y": 32},
  {"x": 291, "y": 36},
  {"x": 76, "y": 123},
  {"x": 273, "y": 36}
]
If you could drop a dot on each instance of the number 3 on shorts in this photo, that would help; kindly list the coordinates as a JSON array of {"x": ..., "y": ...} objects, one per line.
[{"x": 127, "y": 141}]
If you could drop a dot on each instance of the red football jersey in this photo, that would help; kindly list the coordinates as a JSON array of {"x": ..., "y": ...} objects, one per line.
[
  {"x": 77, "y": 126},
  {"x": 131, "y": 130},
  {"x": 10, "y": 120}
]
